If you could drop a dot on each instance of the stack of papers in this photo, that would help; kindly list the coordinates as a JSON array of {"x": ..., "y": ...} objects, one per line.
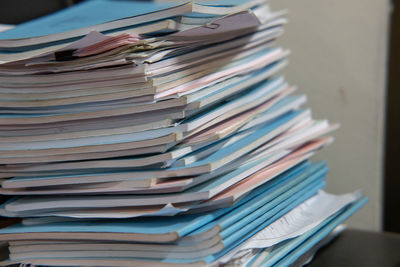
[{"x": 159, "y": 134}]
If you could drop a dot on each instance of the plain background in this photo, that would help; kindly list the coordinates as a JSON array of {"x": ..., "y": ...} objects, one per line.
[{"x": 339, "y": 50}]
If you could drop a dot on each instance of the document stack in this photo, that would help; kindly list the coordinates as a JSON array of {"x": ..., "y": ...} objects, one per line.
[{"x": 159, "y": 134}]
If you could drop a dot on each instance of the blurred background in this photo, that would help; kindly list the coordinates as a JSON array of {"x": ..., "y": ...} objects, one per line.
[{"x": 344, "y": 57}]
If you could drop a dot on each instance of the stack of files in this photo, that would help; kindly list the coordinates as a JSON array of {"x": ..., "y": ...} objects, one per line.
[
  {"x": 193, "y": 240},
  {"x": 125, "y": 147}
]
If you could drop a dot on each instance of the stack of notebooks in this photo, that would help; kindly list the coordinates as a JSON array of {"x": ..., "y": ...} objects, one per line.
[{"x": 159, "y": 134}]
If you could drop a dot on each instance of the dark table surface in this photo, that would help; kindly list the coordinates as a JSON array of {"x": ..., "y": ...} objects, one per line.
[{"x": 354, "y": 248}]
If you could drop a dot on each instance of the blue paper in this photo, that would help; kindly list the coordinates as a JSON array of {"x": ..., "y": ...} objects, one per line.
[{"x": 84, "y": 14}]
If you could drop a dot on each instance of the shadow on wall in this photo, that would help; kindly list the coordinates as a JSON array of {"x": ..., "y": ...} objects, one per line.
[
  {"x": 17, "y": 11},
  {"x": 392, "y": 166}
]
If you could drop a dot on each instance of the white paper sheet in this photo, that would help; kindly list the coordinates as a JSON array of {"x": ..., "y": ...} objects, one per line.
[{"x": 167, "y": 210}]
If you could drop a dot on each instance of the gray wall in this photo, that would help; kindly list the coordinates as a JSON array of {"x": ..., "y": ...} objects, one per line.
[{"x": 339, "y": 59}]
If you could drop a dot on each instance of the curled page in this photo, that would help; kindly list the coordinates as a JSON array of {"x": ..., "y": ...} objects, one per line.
[
  {"x": 167, "y": 210},
  {"x": 237, "y": 22},
  {"x": 301, "y": 219}
]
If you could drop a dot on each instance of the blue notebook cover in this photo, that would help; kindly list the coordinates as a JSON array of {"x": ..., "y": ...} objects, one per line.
[{"x": 86, "y": 13}]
